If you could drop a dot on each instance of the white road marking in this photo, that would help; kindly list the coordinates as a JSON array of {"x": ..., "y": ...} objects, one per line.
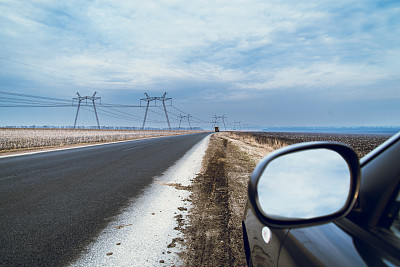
[{"x": 132, "y": 148}]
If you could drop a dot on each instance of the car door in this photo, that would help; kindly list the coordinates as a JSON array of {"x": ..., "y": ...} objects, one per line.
[
  {"x": 323, "y": 245},
  {"x": 263, "y": 243}
]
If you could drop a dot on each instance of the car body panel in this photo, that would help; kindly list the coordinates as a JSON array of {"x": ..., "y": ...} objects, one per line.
[
  {"x": 309, "y": 246},
  {"x": 262, "y": 254},
  {"x": 301, "y": 247}
]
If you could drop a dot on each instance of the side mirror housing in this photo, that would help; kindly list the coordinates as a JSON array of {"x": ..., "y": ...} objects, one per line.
[{"x": 305, "y": 184}]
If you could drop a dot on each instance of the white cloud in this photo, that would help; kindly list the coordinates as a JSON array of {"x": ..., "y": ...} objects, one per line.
[
  {"x": 155, "y": 39},
  {"x": 318, "y": 75}
]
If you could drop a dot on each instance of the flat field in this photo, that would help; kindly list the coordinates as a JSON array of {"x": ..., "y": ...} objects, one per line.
[
  {"x": 16, "y": 139},
  {"x": 361, "y": 143}
]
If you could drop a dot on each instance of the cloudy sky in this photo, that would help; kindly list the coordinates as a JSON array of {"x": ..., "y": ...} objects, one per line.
[{"x": 264, "y": 63}]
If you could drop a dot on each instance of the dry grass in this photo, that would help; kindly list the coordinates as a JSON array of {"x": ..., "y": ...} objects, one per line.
[
  {"x": 249, "y": 147},
  {"x": 213, "y": 235},
  {"x": 19, "y": 139},
  {"x": 361, "y": 143}
]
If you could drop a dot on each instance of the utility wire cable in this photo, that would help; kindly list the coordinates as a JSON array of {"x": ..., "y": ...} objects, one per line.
[
  {"x": 33, "y": 96},
  {"x": 16, "y": 100},
  {"x": 125, "y": 117},
  {"x": 116, "y": 110}
]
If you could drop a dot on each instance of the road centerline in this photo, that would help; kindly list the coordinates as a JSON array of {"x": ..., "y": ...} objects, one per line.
[{"x": 132, "y": 148}]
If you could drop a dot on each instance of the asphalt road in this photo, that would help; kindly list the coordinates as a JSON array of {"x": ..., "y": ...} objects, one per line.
[{"x": 53, "y": 204}]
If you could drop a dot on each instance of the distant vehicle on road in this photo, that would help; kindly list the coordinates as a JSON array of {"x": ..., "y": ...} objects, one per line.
[{"x": 316, "y": 204}]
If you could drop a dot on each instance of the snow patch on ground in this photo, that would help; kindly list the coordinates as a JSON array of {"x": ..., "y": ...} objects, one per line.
[{"x": 143, "y": 234}]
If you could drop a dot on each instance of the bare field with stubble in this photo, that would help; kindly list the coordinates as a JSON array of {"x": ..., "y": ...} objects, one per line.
[
  {"x": 213, "y": 232},
  {"x": 20, "y": 139},
  {"x": 361, "y": 143}
]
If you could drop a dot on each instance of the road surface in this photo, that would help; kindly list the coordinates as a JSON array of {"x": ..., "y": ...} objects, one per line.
[{"x": 53, "y": 204}]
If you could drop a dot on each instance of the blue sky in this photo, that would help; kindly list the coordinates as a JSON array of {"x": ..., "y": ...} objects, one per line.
[{"x": 264, "y": 63}]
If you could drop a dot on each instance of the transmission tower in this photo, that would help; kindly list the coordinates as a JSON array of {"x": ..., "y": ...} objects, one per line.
[
  {"x": 217, "y": 120},
  {"x": 92, "y": 98},
  {"x": 183, "y": 117},
  {"x": 155, "y": 99},
  {"x": 236, "y": 125}
]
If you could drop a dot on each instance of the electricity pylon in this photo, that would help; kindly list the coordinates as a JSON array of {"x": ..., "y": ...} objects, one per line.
[
  {"x": 182, "y": 117},
  {"x": 93, "y": 98},
  {"x": 236, "y": 125},
  {"x": 149, "y": 99},
  {"x": 216, "y": 120}
]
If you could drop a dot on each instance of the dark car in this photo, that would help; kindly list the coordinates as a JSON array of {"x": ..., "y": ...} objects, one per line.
[{"x": 316, "y": 204}]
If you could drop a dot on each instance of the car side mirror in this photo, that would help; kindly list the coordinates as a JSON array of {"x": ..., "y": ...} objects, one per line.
[{"x": 305, "y": 184}]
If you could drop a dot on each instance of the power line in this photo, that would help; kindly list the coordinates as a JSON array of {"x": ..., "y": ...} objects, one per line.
[
  {"x": 33, "y": 96},
  {"x": 33, "y": 106},
  {"x": 179, "y": 110},
  {"x": 169, "y": 112},
  {"x": 171, "y": 116},
  {"x": 198, "y": 120},
  {"x": 28, "y": 103},
  {"x": 108, "y": 114},
  {"x": 19, "y": 100},
  {"x": 124, "y": 113},
  {"x": 115, "y": 115}
]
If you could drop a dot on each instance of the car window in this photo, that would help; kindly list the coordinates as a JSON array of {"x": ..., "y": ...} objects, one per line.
[{"x": 389, "y": 224}]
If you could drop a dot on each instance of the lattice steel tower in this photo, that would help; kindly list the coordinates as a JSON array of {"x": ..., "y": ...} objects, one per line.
[
  {"x": 92, "y": 98},
  {"x": 216, "y": 120},
  {"x": 155, "y": 99},
  {"x": 183, "y": 117}
]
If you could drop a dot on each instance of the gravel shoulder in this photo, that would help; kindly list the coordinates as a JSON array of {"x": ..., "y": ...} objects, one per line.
[{"x": 213, "y": 235}]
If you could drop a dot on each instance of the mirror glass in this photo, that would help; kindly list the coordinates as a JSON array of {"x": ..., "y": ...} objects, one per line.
[{"x": 305, "y": 184}]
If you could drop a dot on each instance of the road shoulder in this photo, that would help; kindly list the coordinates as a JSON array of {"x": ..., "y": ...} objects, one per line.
[{"x": 213, "y": 236}]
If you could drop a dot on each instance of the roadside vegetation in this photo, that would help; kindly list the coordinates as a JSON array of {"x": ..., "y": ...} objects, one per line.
[
  {"x": 361, "y": 143},
  {"x": 213, "y": 232}
]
